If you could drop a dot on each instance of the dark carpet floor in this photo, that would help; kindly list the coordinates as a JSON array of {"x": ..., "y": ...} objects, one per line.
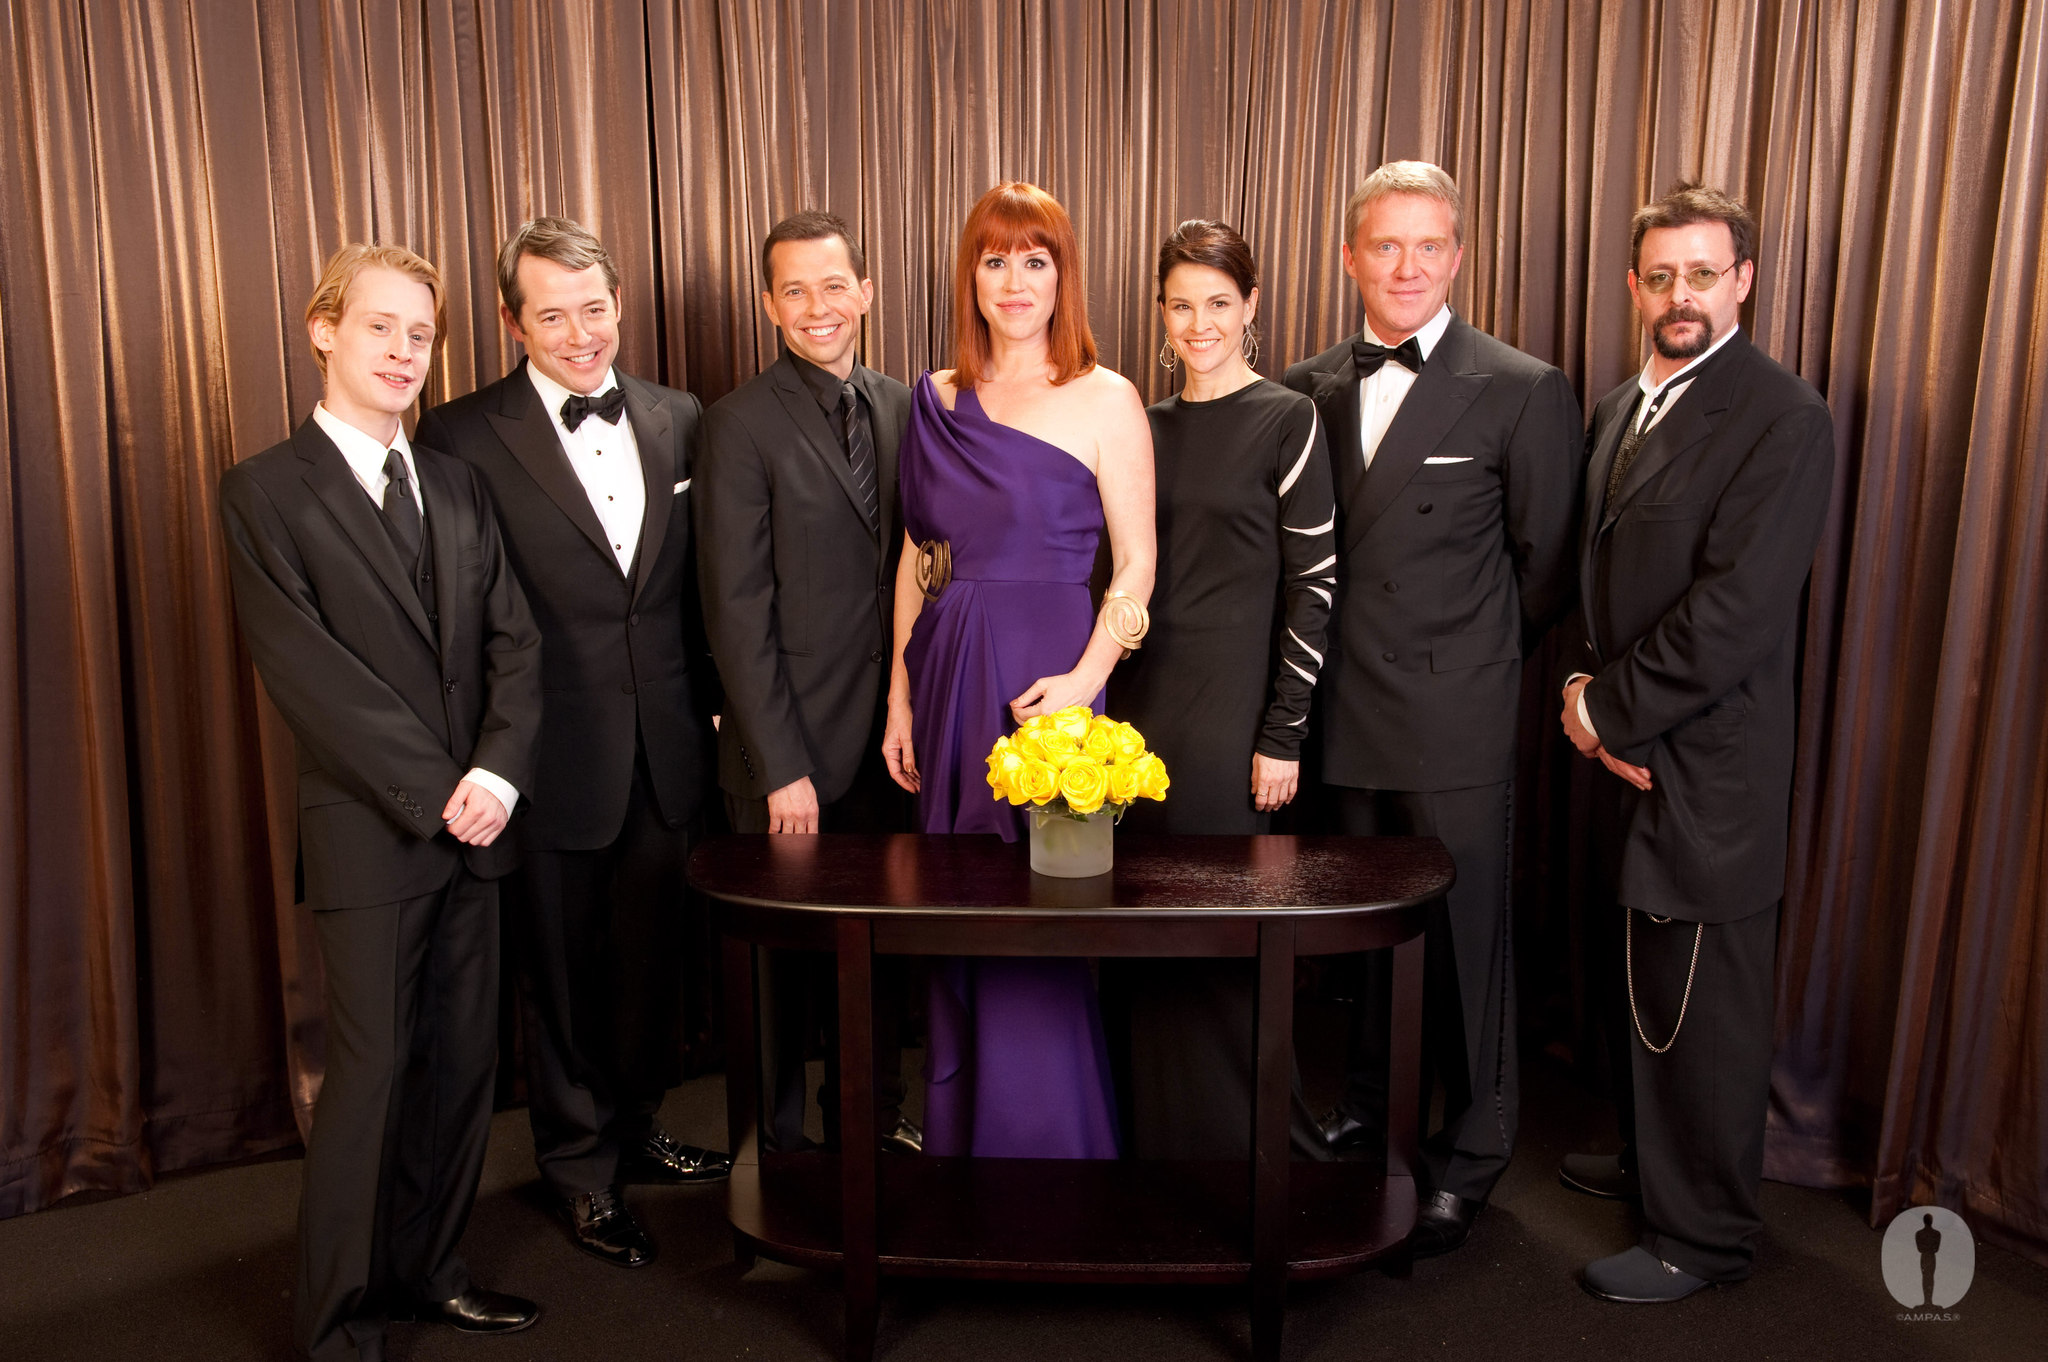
[{"x": 201, "y": 1267}]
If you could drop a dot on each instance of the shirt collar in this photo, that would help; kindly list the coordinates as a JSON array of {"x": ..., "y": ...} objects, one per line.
[
  {"x": 1425, "y": 340},
  {"x": 553, "y": 394},
  {"x": 1650, "y": 387},
  {"x": 365, "y": 454},
  {"x": 824, "y": 385}
]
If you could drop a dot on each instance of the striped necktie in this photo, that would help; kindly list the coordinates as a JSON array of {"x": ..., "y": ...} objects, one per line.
[{"x": 860, "y": 452}]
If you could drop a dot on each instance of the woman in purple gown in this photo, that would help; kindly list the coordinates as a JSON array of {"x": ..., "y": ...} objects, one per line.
[{"x": 1015, "y": 462}]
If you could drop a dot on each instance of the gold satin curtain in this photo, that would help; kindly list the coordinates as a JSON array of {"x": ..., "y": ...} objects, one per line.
[{"x": 174, "y": 174}]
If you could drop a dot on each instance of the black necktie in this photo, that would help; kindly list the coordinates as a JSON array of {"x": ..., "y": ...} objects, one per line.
[
  {"x": 1370, "y": 358},
  {"x": 860, "y": 451},
  {"x": 401, "y": 512},
  {"x": 607, "y": 408}
]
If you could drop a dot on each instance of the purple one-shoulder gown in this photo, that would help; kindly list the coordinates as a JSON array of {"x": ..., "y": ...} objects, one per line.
[{"x": 1017, "y": 1066}]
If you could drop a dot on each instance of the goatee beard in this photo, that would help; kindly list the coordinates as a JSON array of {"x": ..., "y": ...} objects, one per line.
[{"x": 1691, "y": 349}]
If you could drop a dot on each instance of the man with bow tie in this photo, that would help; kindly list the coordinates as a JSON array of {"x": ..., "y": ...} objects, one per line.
[
  {"x": 590, "y": 469},
  {"x": 1456, "y": 463}
]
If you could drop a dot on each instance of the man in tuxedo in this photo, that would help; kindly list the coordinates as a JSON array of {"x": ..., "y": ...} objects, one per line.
[
  {"x": 590, "y": 470},
  {"x": 798, "y": 527},
  {"x": 1705, "y": 496},
  {"x": 392, "y": 635},
  {"x": 1456, "y": 461}
]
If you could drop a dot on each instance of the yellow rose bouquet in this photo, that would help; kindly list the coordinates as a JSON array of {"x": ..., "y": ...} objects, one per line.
[{"x": 1075, "y": 762}]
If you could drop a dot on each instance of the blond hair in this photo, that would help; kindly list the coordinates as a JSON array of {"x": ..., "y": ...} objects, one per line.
[
  {"x": 338, "y": 276},
  {"x": 1405, "y": 177},
  {"x": 566, "y": 242}
]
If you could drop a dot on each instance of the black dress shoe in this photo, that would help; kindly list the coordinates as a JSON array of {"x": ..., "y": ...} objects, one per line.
[
  {"x": 902, "y": 1138},
  {"x": 475, "y": 1311},
  {"x": 600, "y": 1225},
  {"x": 1638, "y": 1277},
  {"x": 1343, "y": 1132},
  {"x": 660, "y": 1158},
  {"x": 1441, "y": 1223},
  {"x": 1600, "y": 1175}
]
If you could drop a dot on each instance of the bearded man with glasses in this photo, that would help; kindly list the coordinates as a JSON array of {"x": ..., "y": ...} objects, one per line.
[{"x": 1706, "y": 489}]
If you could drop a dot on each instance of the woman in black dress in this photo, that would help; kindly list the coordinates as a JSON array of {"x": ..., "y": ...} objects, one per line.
[{"x": 1247, "y": 562}]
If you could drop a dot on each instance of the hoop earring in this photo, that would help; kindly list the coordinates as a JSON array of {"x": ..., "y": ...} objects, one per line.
[
  {"x": 1168, "y": 356},
  {"x": 1250, "y": 348}
]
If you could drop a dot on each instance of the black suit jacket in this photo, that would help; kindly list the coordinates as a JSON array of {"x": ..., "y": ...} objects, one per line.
[
  {"x": 617, "y": 669},
  {"x": 392, "y": 703},
  {"x": 1692, "y": 578},
  {"x": 1446, "y": 573},
  {"x": 797, "y": 588}
]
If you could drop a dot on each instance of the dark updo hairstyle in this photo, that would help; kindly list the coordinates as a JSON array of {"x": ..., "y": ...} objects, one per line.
[{"x": 1199, "y": 241}]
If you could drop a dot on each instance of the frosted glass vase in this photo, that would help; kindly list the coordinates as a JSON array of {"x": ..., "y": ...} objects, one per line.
[{"x": 1070, "y": 847}]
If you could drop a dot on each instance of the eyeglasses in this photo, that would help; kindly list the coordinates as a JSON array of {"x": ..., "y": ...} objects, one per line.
[{"x": 1699, "y": 280}]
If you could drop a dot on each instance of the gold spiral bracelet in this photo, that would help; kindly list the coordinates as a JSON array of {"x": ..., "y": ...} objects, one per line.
[{"x": 1125, "y": 619}]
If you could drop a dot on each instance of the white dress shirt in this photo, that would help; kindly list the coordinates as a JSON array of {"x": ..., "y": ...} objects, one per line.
[
  {"x": 1380, "y": 394},
  {"x": 365, "y": 455},
  {"x": 1657, "y": 402},
  {"x": 606, "y": 459}
]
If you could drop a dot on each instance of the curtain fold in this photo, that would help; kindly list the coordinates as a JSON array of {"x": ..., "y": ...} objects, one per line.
[{"x": 175, "y": 174}]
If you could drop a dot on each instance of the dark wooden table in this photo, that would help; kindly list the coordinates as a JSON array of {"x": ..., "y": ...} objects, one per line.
[{"x": 1270, "y": 899}]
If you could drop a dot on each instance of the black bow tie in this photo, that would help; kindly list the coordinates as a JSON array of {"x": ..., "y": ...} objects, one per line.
[
  {"x": 607, "y": 408},
  {"x": 1370, "y": 358}
]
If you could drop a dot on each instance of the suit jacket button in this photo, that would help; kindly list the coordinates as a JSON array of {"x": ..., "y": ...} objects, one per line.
[
  {"x": 626, "y": 689},
  {"x": 1426, "y": 507},
  {"x": 633, "y": 620},
  {"x": 1387, "y": 657},
  {"x": 1393, "y": 586},
  {"x": 451, "y": 685},
  {"x": 875, "y": 655}
]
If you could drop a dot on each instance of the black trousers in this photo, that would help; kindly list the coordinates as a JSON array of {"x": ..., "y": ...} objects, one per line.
[
  {"x": 1468, "y": 998},
  {"x": 398, "y": 1135},
  {"x": 598, "y": 945},
  {"x": 1699, "y": 1107},
  {"x": 798, "y": 991}
]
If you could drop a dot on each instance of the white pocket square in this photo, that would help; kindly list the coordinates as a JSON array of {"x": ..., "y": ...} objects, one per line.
[
  {"x": 681, "y": 485},
  {"x": 1448, "y": 458}
]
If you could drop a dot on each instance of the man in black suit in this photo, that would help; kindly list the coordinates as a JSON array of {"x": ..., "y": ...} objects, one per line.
[
  {"x": 1456, "y": 461},
  {"x": 1705, "y": 496},
  {"x": 590, "y": 470},
  {"x": 798, "y": 529},
  {"x": 391, "y": 633}
]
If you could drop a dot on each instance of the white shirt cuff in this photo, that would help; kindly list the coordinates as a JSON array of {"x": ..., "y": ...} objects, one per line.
[
  {"x": 509, "y": 796},
  {"x": 1585, "y": 719}
]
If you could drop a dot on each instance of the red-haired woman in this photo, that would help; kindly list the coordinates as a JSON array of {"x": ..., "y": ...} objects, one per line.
[{"x": 1014, "y": 462}]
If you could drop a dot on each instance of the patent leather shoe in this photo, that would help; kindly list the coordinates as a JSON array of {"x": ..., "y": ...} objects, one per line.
[
  {"x": 1600, "y": 1175},
  {"x": 1343, "y": 1132},
  {"x": 902, "y": 1138},
  {"x": 475, "y": 1311},
  {"x": 601, "y": 1226},
  {"x": 1638, "y": 1277},
  {"x": 662, "y": 1158},
  {"x": 1441, "y": 1223}
]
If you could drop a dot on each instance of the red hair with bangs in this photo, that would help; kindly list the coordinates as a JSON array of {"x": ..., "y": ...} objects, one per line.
[{"x": 1017, "y": 216}]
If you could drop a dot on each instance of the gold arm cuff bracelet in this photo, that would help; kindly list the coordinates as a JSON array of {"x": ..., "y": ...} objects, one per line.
[
  {"x": 934, "y": 567},
  {"x": 1125, "y": 619}
]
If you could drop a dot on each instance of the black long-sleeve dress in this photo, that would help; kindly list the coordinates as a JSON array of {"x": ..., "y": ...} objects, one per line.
[{"x": 1247, "y": 563}]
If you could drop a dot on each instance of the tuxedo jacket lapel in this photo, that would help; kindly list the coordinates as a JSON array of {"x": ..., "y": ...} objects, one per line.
[
  {"x": 444, "y": 540},
  {"x": 328, "y": 475},
  {"x": 529, "y": 432},
  {"x": 1448, "y": 384},
  {"x": 803, "y": 409},
  {"x": 1597, "y": 467},
  {"x": 1692, "y": 420},
  {"x": 1337, "y": 396},
  {"x": 888, "y": 437},
  {"x": 657, "y": 470}
]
